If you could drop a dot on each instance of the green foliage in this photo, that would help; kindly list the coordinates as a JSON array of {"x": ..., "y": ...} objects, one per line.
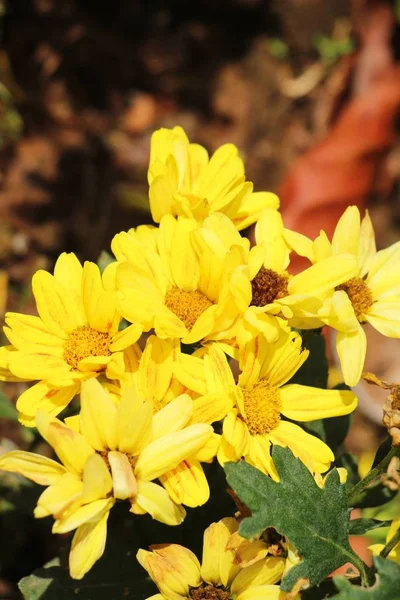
[
  {"x": 361, "y": 526},
  {"x": 314, "y": 371},
  {"x": 331, "y": 49},
  {"x": 386, "y": 586},
  {"x": 314, "y": 519},
  {"x": 277, "y": 47},
  {"x": 7, "y": 408}
]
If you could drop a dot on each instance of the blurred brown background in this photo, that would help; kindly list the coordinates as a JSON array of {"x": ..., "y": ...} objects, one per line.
[{"x": 309, "y": 90}]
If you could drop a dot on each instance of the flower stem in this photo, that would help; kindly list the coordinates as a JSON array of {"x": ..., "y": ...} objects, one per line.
[
  {"x": 373, "y": 476},
  {"x": 390, "y": 545}
]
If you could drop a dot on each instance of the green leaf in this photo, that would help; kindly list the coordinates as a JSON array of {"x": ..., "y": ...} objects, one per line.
[
  {"x": 361, "y": 526},
  {"x": 314, "y": 519},
  {"x": 386, "y": 586},
  {"x": 117, "y": 575},
  {"x": 314, "y": 371}
]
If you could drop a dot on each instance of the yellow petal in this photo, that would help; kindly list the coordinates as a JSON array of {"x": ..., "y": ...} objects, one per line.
[
  {"x": 263, "y": 572},
  {"x": 155, "y": 370},
  {"x": 97, "y": 481},
  {"x": 259, "y": 455},
  {"x": 211, "y": 408},
  {"x": 184, "y": 265},
  {"x": 59, "y": 496},
  {"x": 32, "y": 330},
  {"x": 352, "y": 348},
  {"x": 124, "y": 481},
  {"x": 167, "y": 452},
  {"x": 269, "y": 231},
  {"x": 169, "y": 578},
  {"x": 189, "y": 370},
  {"x": 367, "y": 247},
  {"x": 71, "y": 447},
  {"x": 187, "y": 484},
  {"x": 55, "y": 304},
  {"x": 126, "y": 337},
  {"x": 91, "y": 364},
  {"x": 37, "y": 468},
  {"x": 155, "y": 500},
  {"x": 209, "y": 450},
  {"x": 384, "y": 262},
  {"x": 300, "y": 243},
  {"x": 29, "y": 365},
  {"x": 338, "y": 312},
  {"x": 217, "y": 565},
  {"x": 90, "y": 512},
  {"x": 172, "y": 417},
  {"x": 384, "y": 316},
  {"x": 303, "y": 445},
  {"x": 98, "y": 416},
  {"x": 92, "y": 288},
  {"x": 304, "y": 403},
  {"x": 346, "y": 238},
  {"x": 41, "y": 396},
  {"x": 133, "y": 422},
  {"x": 324, "y": 275},
  {"x": 182, "y": 560},
  {"x": 88, "y": 546},
  {"x": 264, "y": 592},
  {"x": 68, "y": 272},
  {"x": 218, "y": 374},
  {"x": 235, "y": 431}
]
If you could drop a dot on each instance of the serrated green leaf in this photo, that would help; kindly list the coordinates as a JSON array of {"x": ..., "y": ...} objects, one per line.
[
  {"x": 386, "y": 586},
  {"x": 361, "y": 526},
  {"x": 314, "y": 519}
]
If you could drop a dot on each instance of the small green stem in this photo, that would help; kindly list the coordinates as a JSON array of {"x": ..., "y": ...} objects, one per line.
[
  {"x": 373, "y": 476},
  {"x": 391, "y": 544},
  {"x": 364, "y": 570}
]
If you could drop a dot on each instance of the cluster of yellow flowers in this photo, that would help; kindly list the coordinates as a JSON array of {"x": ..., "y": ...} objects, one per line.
[{"x": 146, "y": 411}]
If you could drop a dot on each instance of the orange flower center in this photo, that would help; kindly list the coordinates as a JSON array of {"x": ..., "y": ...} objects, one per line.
[
  {"x": 268, "y": 286},
  {"x": 208, "y": 592},
  {"x": 84, "y": 342},
  {"x": 187, "y": 306},
  {"x": 262, "y": 407},
  {"x": 359, "y": 295}
]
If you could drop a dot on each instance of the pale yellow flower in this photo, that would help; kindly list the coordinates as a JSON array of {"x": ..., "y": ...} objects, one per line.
[
  {"x": 253, "y": 408},
  {"x": 152, "y": 377},
  {"x": 274, "y": 299},
  {"x": 184, "y": 181},
  {"x": 370, "y": 295},
  {"x": 74, "y": 338},
  {"x": 179, "y": 575},
  {"x": 180, "y": 289},
  {"x": 109, "y": 453}
]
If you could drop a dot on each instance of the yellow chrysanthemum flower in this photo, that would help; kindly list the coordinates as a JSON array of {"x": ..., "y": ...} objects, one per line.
[
  {"x": 371, "y": 295},
  {"x": 152, "y": 376},
  {"x": 253, "y": 408},
  {"x": 179, "y": 575},
  {"x": 394, "y": 554},
  {"x": 271, "y": 296},
  {"x": 74, "y": 338},
  {"x": 180, "y": 290},
  {"x": 184, "y": 181},
  {"x": 116, "y": 454}
]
